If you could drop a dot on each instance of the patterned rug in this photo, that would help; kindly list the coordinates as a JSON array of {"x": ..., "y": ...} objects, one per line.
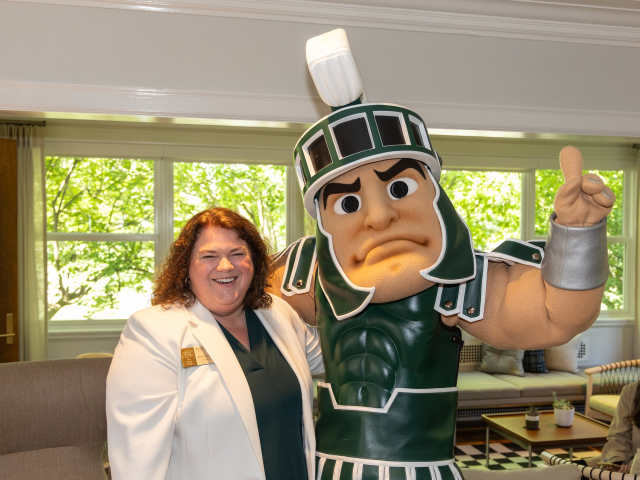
[{"x": 509, "y": 456}]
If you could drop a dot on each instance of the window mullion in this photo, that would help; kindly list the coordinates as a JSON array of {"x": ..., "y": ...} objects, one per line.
[
  {"x": 163, "y": 195},
  {"x": 294, "y": 208},
  {"x": 528, "y": 205}
]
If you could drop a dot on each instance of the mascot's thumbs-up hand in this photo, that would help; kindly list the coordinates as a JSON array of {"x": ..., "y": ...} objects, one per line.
[{"x": 583, "y": 200}]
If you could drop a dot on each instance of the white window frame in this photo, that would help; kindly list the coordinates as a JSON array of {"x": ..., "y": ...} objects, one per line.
[
  {"x": 630, "y": 215},
  {"x": 163, "y": 213},
  {"x": 469, "y": 158}
]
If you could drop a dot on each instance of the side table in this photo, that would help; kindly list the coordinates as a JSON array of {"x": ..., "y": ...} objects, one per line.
[{"x": 584, "y": 432}]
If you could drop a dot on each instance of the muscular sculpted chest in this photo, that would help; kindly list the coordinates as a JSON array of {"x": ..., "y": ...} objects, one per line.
[{"x": 401, "y": 344}]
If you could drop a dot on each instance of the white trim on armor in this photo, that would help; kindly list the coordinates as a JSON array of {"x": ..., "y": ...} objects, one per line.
[
  {"x": 410, "y": 473},
  {"x": 279, "y": 254},
  {"x": 383, "y": 463},
  {"x": 337, "y": 468},
  {"x": 483, "y": 293},
  {"x": 387, "y": 406},
  {"x": 423, "y": 131},
  {"x": 357, "y": 471},
  {"x": 425, "y": 272},
  {"x": 286, "y": 269},
  {"x": 342, "y": 274},
  {"x": 456, "y": 473},
  {"x": 291, "y": 285},
  {"x": 297, "y": 165},
  {"x": 307, "y": 156},
  {"x": 383, "y": 473},
  {"x": 509, "y": 260},
  {"x": 443, "y": 311},
  {"x": 346, "y": 119},
  {"x": 320, "y": 467},
  {"x": 429, "y": 160},
  {"x": 461, "y": 292}
]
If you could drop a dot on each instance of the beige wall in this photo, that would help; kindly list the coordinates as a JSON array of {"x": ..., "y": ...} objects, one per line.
[{"x": 105, "y": 60}]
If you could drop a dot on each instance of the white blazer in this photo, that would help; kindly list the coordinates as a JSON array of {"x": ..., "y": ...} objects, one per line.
[{"x": 169, "y": 422}]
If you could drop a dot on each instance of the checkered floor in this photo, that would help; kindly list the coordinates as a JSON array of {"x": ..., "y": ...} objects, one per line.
[{"x": 509, "y": 456}]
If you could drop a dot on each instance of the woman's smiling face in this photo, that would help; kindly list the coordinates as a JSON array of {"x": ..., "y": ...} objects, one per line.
[{"x": 220, "y": 270}]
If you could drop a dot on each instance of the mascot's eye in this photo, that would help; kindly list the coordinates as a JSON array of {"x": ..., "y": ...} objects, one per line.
[
  {"x": 402, "y": 187},
  {"x": 347, "y": 204}
]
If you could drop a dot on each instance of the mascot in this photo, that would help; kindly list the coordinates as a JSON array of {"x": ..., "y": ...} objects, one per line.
[{"x": 391, "y": 277}]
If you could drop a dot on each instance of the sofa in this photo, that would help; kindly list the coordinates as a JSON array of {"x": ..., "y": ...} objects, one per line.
[
  {"x": 53, "y": 424},
  {"x": 483, "y": 392}
]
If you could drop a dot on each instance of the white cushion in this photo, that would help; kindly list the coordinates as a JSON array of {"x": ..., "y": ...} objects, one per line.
[
  {"x": 495, "y": 360},
  {"x": 563, "y": 358},
  {"x": 604, "y": 403}
]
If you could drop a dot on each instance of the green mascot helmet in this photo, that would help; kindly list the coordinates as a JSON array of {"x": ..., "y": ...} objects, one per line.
[{"x": 357, "y": 133}]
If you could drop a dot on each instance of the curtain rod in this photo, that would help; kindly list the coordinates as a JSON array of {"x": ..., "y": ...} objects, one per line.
[{"x": 21, "y": 123}]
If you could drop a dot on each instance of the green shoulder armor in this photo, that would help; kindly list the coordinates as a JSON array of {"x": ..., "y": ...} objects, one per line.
[
  {"x": 300, "y": 265},
  {"x": 467, "y": 299}
]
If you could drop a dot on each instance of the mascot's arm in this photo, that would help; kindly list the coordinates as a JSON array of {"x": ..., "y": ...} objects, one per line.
[
  {"x": 530, "y": 308},
  {"x": 523, "y": 311},
  {"x": 303, "y": 304}
]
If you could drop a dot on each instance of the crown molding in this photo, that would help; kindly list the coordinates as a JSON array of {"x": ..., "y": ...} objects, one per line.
[
  {"x": 612, "y": 22},
  {"x": 128, "y": 103}
]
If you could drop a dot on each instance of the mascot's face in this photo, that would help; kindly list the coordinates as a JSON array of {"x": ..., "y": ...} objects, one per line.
[{"x": 384, "y": 226}]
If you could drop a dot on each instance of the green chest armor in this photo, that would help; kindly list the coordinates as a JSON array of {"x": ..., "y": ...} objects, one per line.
[{"x": 391, "y": 372}]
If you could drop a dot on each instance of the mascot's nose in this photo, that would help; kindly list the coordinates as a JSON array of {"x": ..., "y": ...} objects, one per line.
[{"x": 379, "y": 215}]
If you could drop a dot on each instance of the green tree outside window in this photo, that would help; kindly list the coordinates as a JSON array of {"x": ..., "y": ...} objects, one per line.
[
  {"x": 489, "y": 203},
  {"x": 97, "y": 195},
  {"x": 255, "y": 191}
]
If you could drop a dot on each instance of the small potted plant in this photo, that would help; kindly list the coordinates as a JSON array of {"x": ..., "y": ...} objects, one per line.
[
  {"x": 532, "y": 419},
  {"x": 563, "y": 411}
]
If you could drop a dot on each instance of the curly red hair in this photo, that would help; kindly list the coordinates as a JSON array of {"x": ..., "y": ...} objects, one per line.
[{"x": 172, "y": 286}]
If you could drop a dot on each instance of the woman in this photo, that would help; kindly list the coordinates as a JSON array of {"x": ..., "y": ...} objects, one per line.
[
  {"x": 623, "y": 440},
  {"x": 214, "y": 380}
]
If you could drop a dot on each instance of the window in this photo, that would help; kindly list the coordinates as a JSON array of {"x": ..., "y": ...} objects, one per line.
[
  {"x": 254, "y": 191},
  {"x": 489, "y": 203},
  {"x": 115, "y": 207},
  {"x": 102, "y": 238},
  {"x": 100, "y": 242}
]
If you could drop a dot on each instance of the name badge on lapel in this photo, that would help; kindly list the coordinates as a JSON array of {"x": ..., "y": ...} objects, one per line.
[{"x": 194, "y": 356}]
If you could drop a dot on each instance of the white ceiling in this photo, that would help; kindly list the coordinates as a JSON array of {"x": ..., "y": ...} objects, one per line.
[{"x": 601, "y": 12}]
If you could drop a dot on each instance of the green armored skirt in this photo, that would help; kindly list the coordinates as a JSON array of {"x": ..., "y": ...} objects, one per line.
[{"x": 410, "y": 438}]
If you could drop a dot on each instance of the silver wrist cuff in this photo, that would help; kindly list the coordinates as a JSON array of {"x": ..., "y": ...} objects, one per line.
[{"x": 576, "y": 258}]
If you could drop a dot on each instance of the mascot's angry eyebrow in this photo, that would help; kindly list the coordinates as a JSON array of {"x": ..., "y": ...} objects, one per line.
[
  {"x": 336, "y": 188},
  {"x": 399, "y": 167}
]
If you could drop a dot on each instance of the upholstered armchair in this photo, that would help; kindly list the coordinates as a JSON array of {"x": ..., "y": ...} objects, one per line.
[{"x": 52, "y": 419}]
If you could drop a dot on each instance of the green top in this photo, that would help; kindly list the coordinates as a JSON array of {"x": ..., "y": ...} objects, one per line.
[{"x": 277, "y": 401}]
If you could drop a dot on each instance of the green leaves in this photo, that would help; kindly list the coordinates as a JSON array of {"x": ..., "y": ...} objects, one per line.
[
  {"x": 97, "y": 195},
  {"x": 255, "y": 191},
  {"x": 104, "y": 195},
  {"x": 116, "y": 196},
  {"x": 489, "y": 203}
]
